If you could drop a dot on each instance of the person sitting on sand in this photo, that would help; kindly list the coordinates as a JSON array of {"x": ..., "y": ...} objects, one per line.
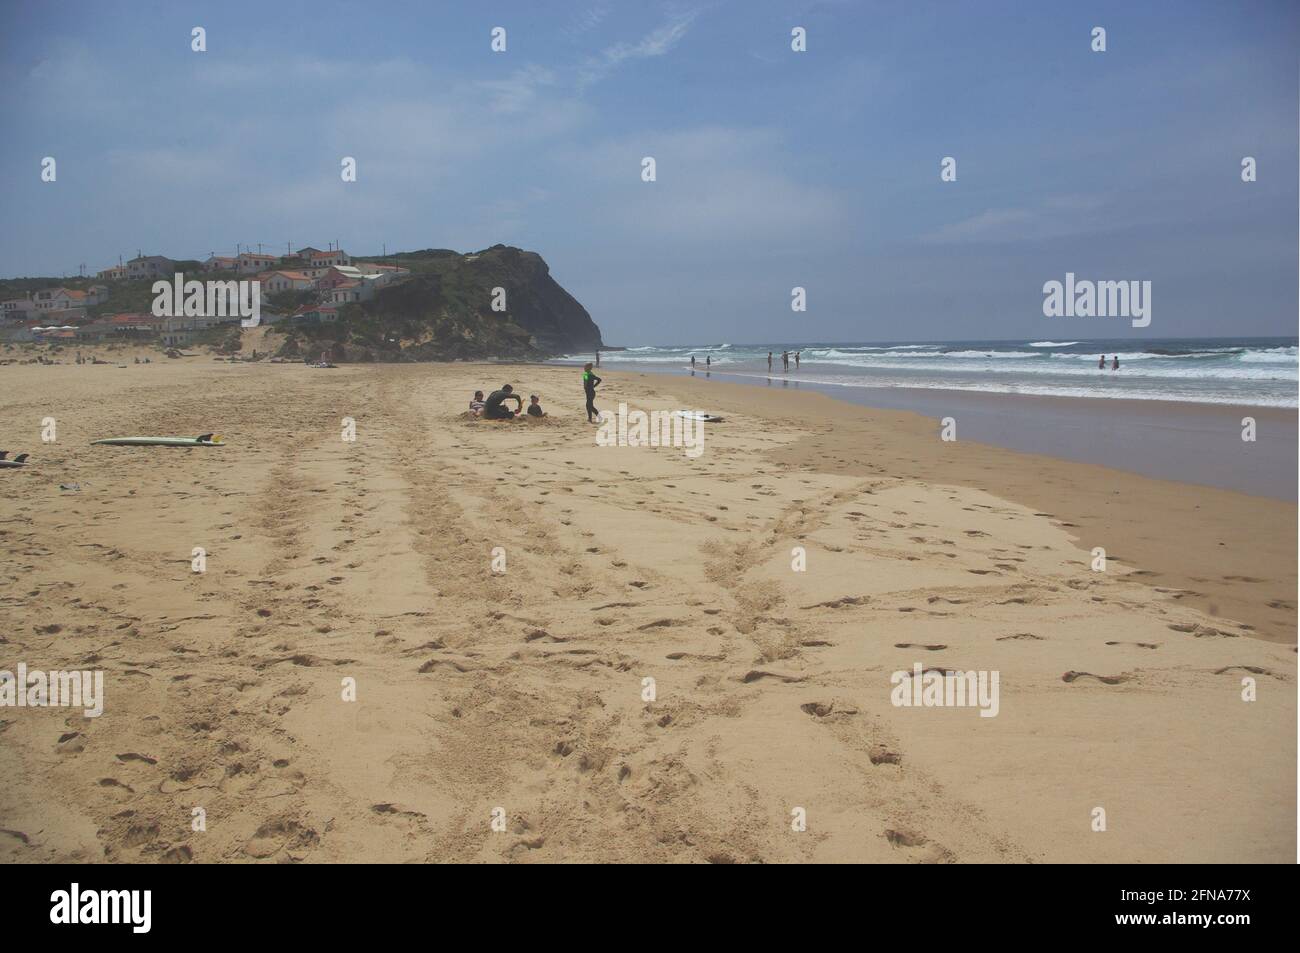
[
  {"x": 535, "y": 406},
  {"x": 476, "y": 404},
  {"x": 492, "y": 408}
]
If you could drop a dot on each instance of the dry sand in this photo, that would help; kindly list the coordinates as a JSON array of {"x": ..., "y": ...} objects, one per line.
[{"x": 329, "y": 560}]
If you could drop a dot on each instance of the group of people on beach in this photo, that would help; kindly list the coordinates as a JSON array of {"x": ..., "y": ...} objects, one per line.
[
  {"x": 1101, "y": 364},
  {"x": 785, "y": 360},
  {"x": 493, "y": 407}
]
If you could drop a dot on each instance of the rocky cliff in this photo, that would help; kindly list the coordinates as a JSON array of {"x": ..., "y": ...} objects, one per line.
[{"x": 444, "y": 311}]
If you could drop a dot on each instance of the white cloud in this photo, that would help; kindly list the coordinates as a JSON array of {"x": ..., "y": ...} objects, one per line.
[
  {"x": 655, "y": 43},
  {"x": 1054, "y": 217},
  {"x": 714, "y": 183}
]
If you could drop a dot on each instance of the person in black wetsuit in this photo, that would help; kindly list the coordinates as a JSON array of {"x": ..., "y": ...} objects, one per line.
[
  {"x": 492, "y": 408},
  {"x": 589, "y": 384}
]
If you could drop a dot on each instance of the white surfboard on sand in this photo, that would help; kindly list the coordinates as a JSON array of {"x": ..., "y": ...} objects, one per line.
[{"x": 699, "y": 415}]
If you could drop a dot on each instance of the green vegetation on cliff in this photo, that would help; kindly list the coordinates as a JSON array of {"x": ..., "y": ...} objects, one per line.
[{"x": 443, "y": 311}]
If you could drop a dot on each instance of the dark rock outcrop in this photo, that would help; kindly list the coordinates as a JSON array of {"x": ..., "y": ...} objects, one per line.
[{"x": 443, "y": 311}]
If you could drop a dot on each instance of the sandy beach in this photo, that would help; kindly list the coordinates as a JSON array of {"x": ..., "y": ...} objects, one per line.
[{"x": 525, "y": 690}]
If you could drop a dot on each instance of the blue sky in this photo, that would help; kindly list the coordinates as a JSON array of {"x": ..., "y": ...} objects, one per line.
[{"x": 775, "y": 168}]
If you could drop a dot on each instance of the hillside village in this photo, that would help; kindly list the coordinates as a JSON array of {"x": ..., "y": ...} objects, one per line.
[{"x": 307, "y": 285}]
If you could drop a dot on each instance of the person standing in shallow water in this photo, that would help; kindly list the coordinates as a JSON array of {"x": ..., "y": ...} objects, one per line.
[
  {"x": 1101, "y": 364},
  {"x": 769, "y": 362},
  {"x": 1115, "y": 366},
  {"x": 589, "y": 384}
]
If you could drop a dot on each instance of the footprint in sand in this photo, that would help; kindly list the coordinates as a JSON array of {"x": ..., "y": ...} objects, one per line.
[
  {"x": 1253, "y": 669},
  {"x": 879, "y": 754},
  {"x": 905, "y": 838},
  {"x": 1201, "y": 631},
  {"x": 1104, "y": 679},
  {"x": 755, "y": 674}
]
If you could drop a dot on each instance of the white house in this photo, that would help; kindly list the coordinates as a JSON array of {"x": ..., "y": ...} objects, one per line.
[
  {"x": 68, "y": 299},
  {"x": 250, "y": 263},
  {"x": 350, "y": 292},
  {"x": 273, "y": 281},
  {"x": 323, "y": 259},
  {"x": 150, "y": 266},
  {"x": 17, "y": 309}
]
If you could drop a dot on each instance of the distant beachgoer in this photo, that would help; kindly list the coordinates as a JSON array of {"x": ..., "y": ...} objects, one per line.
[
  {"x": 535, "y": 406},
  {"x": 692, "y": 362},
  {"x": 492, "y": 408},
  {"x": 589, "y": 384},
  {"x": 1101, "y": 364},
  {"x": 769, "y": 362},
  {"x": 1115, "y": 365},
  {"x": 598, "y": 357},
  {"x": 785, "y": 360},
  {"x": 796, "y": 359},
  {"x": 476, "y": 404},
  {"x": 708, "y": 360}
]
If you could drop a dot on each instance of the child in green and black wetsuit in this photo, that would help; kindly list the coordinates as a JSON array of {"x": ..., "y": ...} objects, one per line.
[{"x": 589, "y": 384}]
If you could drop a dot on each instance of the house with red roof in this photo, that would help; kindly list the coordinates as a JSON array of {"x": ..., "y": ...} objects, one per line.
[{"x": 273, "y": 281}]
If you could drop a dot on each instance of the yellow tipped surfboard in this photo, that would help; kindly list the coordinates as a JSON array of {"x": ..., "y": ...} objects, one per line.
[{"x": 203, "y": 440}]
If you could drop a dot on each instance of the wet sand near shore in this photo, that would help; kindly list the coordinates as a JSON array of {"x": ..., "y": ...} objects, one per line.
[
  {"x": 1169, "y": 440},
  {"x": 370, "y": 563},
  {"x": 1230, "y": 554}
]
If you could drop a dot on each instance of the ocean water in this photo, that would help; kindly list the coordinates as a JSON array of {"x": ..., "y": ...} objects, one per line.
[{"x": 1260, "y": 372}]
